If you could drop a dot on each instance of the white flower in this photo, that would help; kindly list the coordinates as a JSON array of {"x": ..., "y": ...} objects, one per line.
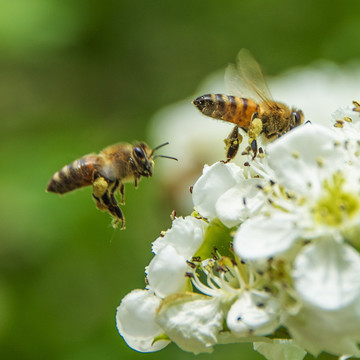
[
  {"x": 250, "y": 311},
  {"x": 240, "y": 202},
  {"x": 347, "y": 126},
  {"x": 166, "y": 271},
  {"x": 192, "y": 321},
  {"x": 253, "y": 313},
  {"x": 314, "y": 201},
  {"x": 304, "y": 157},
  {"x": 326, "y": 274},
  {"x": 135, "y": 321},
  {"x": 214, "y": 182},
  {"x": 335, "y": 331},
  {"x": 271, "y": 256},
  {"x": 265, "y": 236},
  {"x": 223, "y": 192},
  {"x": 347, "y": 123}
]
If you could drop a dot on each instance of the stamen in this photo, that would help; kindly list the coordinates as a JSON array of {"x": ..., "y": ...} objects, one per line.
[{"x": 223, "y": 276}]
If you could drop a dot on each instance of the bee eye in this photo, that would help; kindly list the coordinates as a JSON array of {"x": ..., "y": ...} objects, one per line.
[
  {"x": 139, "y": 153},
  {"x": 297, "y": 117}
]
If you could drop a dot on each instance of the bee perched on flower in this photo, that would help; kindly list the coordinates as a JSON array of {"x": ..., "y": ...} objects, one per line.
[{"x": 252, "y": 110}]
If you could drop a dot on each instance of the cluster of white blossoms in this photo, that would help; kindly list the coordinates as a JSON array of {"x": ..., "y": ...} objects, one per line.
[{"x": 269, "y": 256}]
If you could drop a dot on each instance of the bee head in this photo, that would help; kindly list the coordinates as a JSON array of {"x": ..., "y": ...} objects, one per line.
[
  {"x": 143, "y": 158},
  {"x": 297, "y": 118}
]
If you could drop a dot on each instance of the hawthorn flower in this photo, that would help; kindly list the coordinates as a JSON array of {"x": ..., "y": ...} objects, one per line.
[
  {"x": 225, "y": 193},
  {"x": 137, "y": 312},
  {"x": 318, "y": 206},
  {"x": 165, "y": 273},
  {"x": 135, "y": 321},
  {"x": 269, "y": 256},
  {"x": 179, "y": 305}
]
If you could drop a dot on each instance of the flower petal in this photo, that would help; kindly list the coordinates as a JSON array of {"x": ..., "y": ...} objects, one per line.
[
  {"x": 191, "y": 321},
  {"x": 333, "y": 331},
  {"x": 304, "y": 157},
  {"x": 280, "y": 349},
  {"x": 135, "y": 321},
  {"x": 215, "y": 180},
  {"x": 253, "y": 314},
  {"x": 166, "y": 272},
  {"x": 186, "y": 235},
  {"x": 326, "y": 274},
  {"x": 240, "y": 202},
  {"x": 265, "y": 236}
]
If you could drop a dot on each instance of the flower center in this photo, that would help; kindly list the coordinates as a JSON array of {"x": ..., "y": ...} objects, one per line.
[
  {"x": 336, "y": 205},
  {"x": 222, "y": 276}
]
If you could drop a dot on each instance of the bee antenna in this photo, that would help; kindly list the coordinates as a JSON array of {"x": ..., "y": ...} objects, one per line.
[
  {"x": 158, "y": 147},
  {"x": 166, "y": 157}
]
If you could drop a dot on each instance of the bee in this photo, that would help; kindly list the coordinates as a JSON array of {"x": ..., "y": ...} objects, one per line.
[
  {"x": 250, "y": 108},
  {"x": 107, "y": 173}
]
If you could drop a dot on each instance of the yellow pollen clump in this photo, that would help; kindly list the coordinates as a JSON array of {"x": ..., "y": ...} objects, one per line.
[
  {"x": 255, "y": 128},
  {"x": 100, "y": 186},
  {"x": 337, "y": 205}
]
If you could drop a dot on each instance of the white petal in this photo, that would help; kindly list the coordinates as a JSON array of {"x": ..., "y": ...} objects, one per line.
[
  {"x": 240, "y": 202},
  {"x": 280, "y": 349},
  {"x": 334, "y": 331},
  {"x": 135, "y": 321},
  {"x": 186, "y": 235},
  {"x": 192, "y": 322},
  {"x": 350, "y": 131},
  {"x": 214, "y": 181},
  {"x": 262, "y": 237},
  {"x": 253, "y": 314},
  {"x": 166, "y": 272},
  {"x": 295, "y": 158},
  {"x": 326, "y": 274}
]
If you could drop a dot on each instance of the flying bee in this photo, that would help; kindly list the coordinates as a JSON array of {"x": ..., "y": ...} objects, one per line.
[
  {"x": 107, "y": 173},
  {"x": 250, "y": 108}
]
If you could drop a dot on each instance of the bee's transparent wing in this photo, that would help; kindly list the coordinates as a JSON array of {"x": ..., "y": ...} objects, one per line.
[
  {"x": 246, "y": 79},
  {"x": 236, "y": 85}
]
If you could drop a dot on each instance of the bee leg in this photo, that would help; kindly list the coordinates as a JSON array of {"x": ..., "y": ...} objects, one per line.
[
  {"x": 274, "y": 136},
  {"x": 255, "y": 129},
  {"x": 122, "y": 193},
  {"x": 118, "y": 215},
  {"x": 254, "y": 148},
  {"x": 113, "y": 209},
  {"x": 104, "y": 195},
  {"x": 232, "y": 143},
  {"x": 112, "y": 192},
  {"x": 136, "y": 182},
  {"x": 98, "y": 202}
]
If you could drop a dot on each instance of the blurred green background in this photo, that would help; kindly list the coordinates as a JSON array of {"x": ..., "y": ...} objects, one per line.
[{"x": 76, "y": 76}]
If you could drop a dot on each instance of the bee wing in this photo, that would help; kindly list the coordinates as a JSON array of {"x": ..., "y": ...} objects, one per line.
[
  {"x": 236, "y": 84},
  {"x": 247, "y": 79}
]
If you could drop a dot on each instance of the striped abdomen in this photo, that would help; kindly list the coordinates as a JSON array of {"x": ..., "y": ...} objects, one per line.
[
  {"x": 75, "y": 175},
  {"x": 228, "y": 108}
]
